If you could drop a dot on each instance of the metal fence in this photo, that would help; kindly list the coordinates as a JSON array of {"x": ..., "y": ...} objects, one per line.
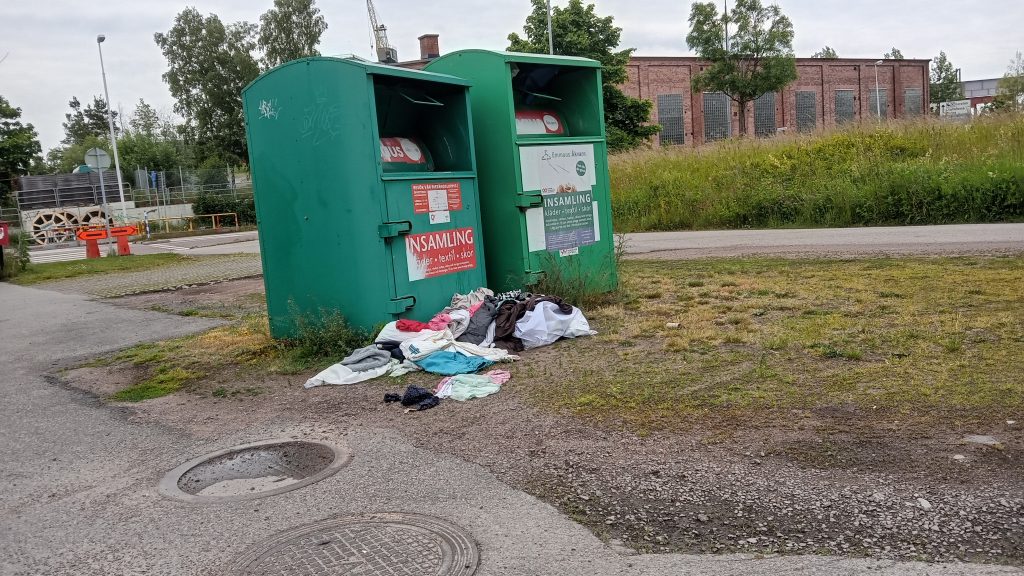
[
  {"x": 52, "y": 202},
  {"x": 181, "y": 186}
]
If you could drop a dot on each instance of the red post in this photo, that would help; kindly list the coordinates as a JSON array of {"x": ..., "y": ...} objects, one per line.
[
  {"x": 122, "y": 246},
  {"x": 92, "y": 248}
]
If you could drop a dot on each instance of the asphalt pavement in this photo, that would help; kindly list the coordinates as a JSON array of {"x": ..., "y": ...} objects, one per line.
[
  {"x": 78, "y": 488},
  {"x": 956, "y": 239}
]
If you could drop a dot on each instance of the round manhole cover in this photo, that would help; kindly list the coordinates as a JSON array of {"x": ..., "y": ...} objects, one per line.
[
  {"x": 254, "y": 470},
  {"x": 385, "y": 544}
]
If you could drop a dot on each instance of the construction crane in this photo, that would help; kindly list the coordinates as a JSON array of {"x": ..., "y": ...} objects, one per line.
[{"x": 386, "y": 53}]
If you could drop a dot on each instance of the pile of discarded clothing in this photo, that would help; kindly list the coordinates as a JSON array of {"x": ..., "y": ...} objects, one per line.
[{"x": 476, "y": 331}]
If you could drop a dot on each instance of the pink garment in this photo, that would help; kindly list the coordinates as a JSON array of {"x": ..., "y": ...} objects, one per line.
[
  {"x": 443, "y": 387},
  {"x": 439, "y": 322},
  {"x": 474, "y": 308},
  {"x": 499, "y": 376}
]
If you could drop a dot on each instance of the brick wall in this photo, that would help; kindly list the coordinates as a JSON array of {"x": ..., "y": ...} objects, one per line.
[{"x": 650, "y": 76}]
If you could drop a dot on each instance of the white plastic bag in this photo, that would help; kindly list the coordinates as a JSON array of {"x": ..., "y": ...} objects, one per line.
[{"x": 546, "y": 323}]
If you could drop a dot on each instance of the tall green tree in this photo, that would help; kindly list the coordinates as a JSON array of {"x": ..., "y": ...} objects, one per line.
[
  {"x": 945, "y": 85},
  {"x": 752, "y": 60},
  {"x": 290, "y": 30},
  {"x": 894, "y": 54},
  {"x": 19, "y": 146},
  {"x": 579, "y": 31},
  {"x": 150, "y": 141},
  {"x": 826, "y": 52},
  {"x": 1010, "y": 92},
  {"x": 208, "y": 64},
  {"x": 144, "y": 120},
  {"x": 148, "y": 121},
  {"x": 91, "y": 120}
]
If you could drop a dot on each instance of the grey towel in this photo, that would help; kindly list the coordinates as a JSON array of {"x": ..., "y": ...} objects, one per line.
[{"x": 366, "y": 358}]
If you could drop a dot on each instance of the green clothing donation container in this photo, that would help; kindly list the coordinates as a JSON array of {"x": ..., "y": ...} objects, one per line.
[
  {"x": 366, "y": 191},
  {"x": 542, "y": 165}
]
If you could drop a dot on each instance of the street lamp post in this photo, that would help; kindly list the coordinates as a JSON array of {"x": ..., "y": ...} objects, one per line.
[
  {"x": 878, "y": 95},
  {"x": 110, "y": 121},
  {"x": 551, "y": 39}
]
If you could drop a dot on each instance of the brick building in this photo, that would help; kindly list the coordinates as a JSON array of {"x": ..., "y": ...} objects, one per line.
[{"x": 826, "y": 92}]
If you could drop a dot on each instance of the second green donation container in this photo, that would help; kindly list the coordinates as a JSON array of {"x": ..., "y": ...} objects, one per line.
[
  {"x": 542, "y": 165},
  {"x": 366, "y": 194}
]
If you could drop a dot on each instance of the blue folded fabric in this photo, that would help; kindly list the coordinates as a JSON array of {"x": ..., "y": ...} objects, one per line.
[{"x": 452, "y": 363}]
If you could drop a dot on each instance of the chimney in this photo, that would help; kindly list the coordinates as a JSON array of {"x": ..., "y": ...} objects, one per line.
[{"x": 428, "y": 47}]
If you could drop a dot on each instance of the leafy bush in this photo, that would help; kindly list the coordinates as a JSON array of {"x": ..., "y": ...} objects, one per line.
[
  {"x": 911, "y": 173},
  {"x": 210, "y": 203}
]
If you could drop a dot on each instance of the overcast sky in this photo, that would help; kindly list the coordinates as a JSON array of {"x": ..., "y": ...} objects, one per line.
[{"x": 52, "y": 56}]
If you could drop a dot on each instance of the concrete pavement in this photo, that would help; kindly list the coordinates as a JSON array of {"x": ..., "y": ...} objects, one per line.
[{"x": 78, "y": 489}]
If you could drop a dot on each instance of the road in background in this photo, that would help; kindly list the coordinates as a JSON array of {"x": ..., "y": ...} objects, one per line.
[
  {"x": 952, "y": 240},
  {"x": 949, "y": 240}
]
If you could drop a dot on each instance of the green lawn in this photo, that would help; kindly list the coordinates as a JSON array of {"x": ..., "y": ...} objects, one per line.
[{"x": 37, "y": 273}]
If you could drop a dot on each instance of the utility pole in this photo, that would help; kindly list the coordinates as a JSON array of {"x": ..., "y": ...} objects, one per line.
[
  {"x": 725, "y": 23},
  {"x": 110, "y": 122},
  {"x": 551, "y": 39}
]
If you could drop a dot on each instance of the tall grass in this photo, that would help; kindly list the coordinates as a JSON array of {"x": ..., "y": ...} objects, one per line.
[{"x": 925, "y": 172}]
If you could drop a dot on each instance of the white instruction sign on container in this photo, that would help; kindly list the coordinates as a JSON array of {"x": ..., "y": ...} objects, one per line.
[{"x": 565, "y": 176}]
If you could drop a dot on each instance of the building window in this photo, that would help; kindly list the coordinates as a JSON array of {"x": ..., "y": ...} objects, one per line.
[
  {"x": 806, "y": 110},
  {"x": 879, "y": 103},
  {"x": 913, "y": 105},
  {"x": 717, "y": 116},
  {"x": 845, "y": 110},
  {"x": 764, "y": 115},
  {"x": 670, "y": 116}
]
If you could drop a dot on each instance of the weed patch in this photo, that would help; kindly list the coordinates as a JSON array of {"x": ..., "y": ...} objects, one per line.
[
  {"x": 163, "y": 383},
  {"x": 245, "y": 346}
]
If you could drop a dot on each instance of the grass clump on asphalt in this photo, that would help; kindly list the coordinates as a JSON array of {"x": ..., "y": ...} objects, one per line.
[
  {"x": 244, "y": 346},
  {"x": 36, "y": 273},
  {"x": 164, "y": 382},
  {"x": 924, "y": 172},
  {"x": 779, "y": 335}
]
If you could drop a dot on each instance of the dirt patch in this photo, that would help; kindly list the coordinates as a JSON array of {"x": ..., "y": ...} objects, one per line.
[{"x": 104, "y": 381}]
